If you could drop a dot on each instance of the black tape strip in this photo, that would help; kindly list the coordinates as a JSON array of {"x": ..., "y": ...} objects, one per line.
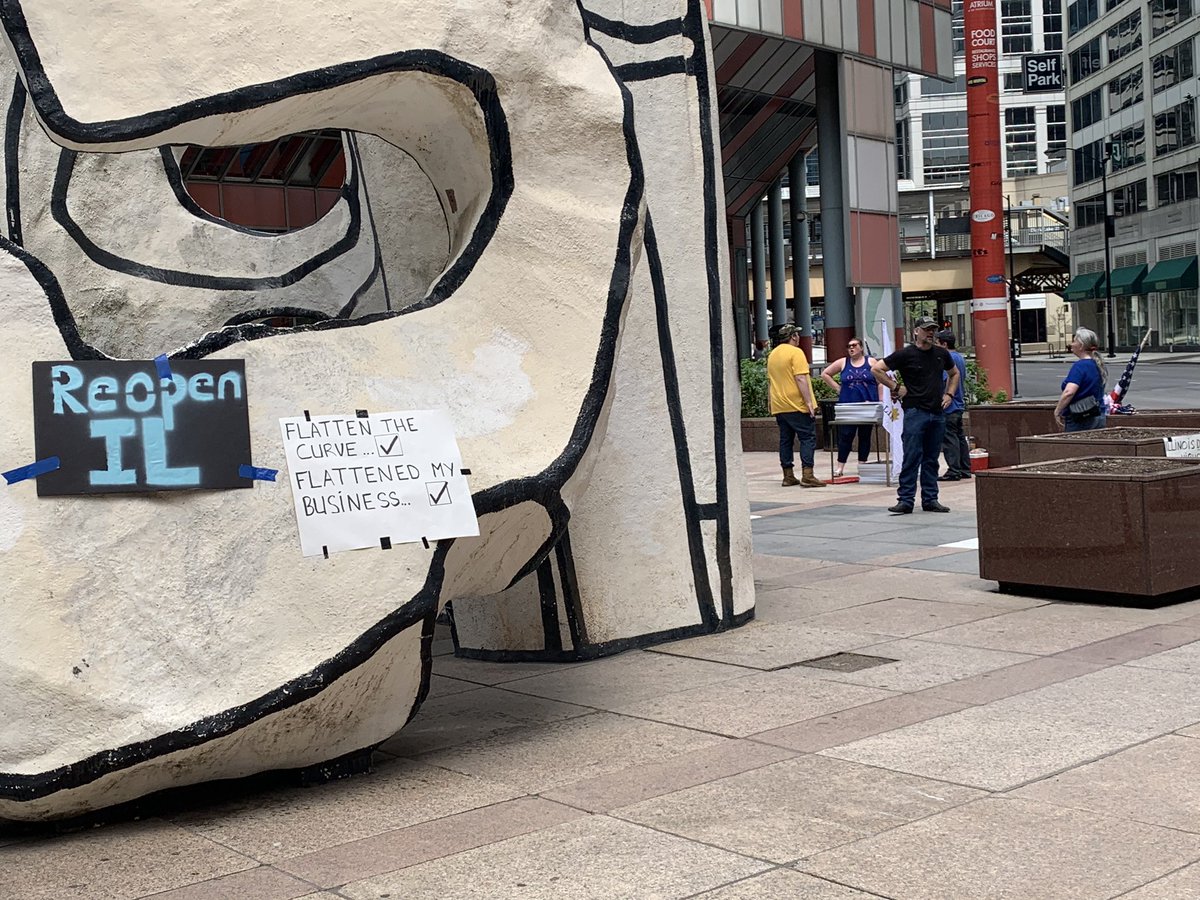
[
  {"x": 385, "y": 543},
  {"x": 362, "y": 413}
]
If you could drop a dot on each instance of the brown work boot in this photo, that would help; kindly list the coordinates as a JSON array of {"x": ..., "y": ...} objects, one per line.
[
  {"x": 808, "y": 479},
  {"x": 789, "y": 477}
]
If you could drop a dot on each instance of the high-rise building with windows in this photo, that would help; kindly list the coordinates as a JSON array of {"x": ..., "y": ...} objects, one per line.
[{"x": 1132, "y": 97}]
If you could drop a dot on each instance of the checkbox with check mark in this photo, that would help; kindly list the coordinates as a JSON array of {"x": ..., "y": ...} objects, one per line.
[
  {"x": 389, "y": 445},
  {"x": 439, "y": 493}
]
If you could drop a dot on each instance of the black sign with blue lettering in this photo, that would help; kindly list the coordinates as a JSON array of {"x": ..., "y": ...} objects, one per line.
[{"x": 121, "y": 426}]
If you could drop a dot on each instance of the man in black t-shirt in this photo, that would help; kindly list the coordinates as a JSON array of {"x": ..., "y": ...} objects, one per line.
[{"x": 924, "y": 398}]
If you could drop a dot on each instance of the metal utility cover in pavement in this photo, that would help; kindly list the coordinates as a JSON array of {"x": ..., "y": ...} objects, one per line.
[{"x": 846, "y": 662}]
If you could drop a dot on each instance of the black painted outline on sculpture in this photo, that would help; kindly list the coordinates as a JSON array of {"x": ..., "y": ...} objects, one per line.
[
  {"x": 633, "y": 34},
  {"x": 551, "y": 633},
  {"x": 654, "y": 68},
  {"x": 12, "y": 162},
  {"x": 694, "y": 28},
  {"x": 576, "y": 624},
  {"x": 59, "y": 308},
  {"x": 683, "y": 461},
  {"x": 544, "y": 487},
  {"x": 480, "y": 83},
  {"x": 177, "y": 278}
]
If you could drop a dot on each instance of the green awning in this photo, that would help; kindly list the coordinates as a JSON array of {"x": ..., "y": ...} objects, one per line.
[
  {"x": 1083, "y": 287},
  {"x": 1127, "y": 280},
  {"x": 1172, "y": 275}
]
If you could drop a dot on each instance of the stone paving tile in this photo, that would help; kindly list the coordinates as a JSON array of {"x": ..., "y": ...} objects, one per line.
[
  {"x": 796, "y": 807},
  {"x": 1010, "y": 680},
  {"x": 801, "y": 524},
  {"x": 857, "y": 723},
  {"x": 1008, "y": 850},
  {"x": 752, "y": 704},
  {"x": 926, "y": 535},
  {"x": 1176, "y": 886},
  {"x": 597, "y": 857},
  {"x": 1184, "y": 658},
  {"x": 767, "y": 568},
  {"x": 798, "y": 601},
  {"x": 418, "y": 844},
  {"x": 629, "y": 786},
  {"x": 1191, "y": 731},
  {"x": 1142, "y": 783},
  {"x": 539, "y": 758},
  {"x": 908, "y": 556},
  {"x": 819, "y": 548},
  {"x": 114, "y": 863},
  {"x": 492, "y": 673},
  {"x": 884, "y": 584},
  {"x": 784, "y": 884},
  {"x": 626, "y": 678},
  {"x": 262, "y": 883},
  {"x": 966, "y": 563},
  {"x": 902, "y": 616},
  {"x": 472, "y": 715},
  {"x": 921, "y": 664},
  {"x": 768, "y": 645},
  {"x": 441, "y": 686},
  {"x": 290, "y": 823},
  {"x": 1044, "y": 630}
]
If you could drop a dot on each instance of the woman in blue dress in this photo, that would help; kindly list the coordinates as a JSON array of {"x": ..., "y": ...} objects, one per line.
[
  {"x": 857, "y": 385},
  {"x": 1081, "y": 406}
]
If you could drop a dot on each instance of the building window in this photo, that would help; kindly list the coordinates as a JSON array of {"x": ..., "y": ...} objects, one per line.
[
  {"x": 1052, "y": 38},
  {"x": 1085, "y": 60},
  {"x": 1129, "y": 148},
  {"x": 1014, "y": 81},
  {"x": 1081, "y": 14},
  {"x": 903, "y": 149},
  {"x": 1129, "y": 199},
  {"x": 812, "y": 170},
  {"x": 957, "y": 34},
  {"x": 932, "y": 86},
  {"x": 275, "y": 186},
  {"x": 1088, "y": 162},
  {"x": 1089, "y": 211},
  {"x": 1166, "y": 14},
  {"x": 1175, "y": 128},
  {"x": 1125, "y": 37},
  {"x": 1056, "y": 129},
  {"x": 944, "y": 142},
  {"x": 1086, "y": 110},
  {"x": 1020, "y": 141},
  {"x": 1016, "y": 26},
  {"x": 900, "y": 90},
  {"x": 1173, "y": 66},
  {"x": 1112, "y": 4},
  {"x": 1125, "y": 90},
  {"x": 1175, "y": 187}
]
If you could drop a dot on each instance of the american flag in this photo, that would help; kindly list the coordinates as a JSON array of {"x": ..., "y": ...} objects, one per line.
[{"x": 1117, "y": 395}]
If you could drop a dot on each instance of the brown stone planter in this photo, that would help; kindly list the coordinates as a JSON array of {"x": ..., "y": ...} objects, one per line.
[
  {"x": 1127, "y": 441},
  {"x": 762, "y": 436},
  {"x": 996, "y": 427},
  {"x": 1109, "y": 528},
  {"x": 1183, "y": 421}
]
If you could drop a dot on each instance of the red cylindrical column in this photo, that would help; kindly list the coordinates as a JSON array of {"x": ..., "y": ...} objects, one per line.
[{"x": 989, "y": 303}]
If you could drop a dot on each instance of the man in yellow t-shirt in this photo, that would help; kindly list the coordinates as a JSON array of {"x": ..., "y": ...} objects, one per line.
[{"x": 793, "y": 406}]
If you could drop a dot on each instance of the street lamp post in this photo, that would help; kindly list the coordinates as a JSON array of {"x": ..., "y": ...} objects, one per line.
[{"x": 1109, "y": 227}]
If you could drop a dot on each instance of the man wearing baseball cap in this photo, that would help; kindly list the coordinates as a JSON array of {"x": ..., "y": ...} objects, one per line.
[
  {"x": 925, "y": 398},
  {"x": 793, "y": 406}
]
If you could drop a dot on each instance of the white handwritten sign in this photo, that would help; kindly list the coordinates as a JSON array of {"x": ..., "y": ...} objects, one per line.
[
  {"x": 387, "y": 478},
  {"x": 1183, "y": 446}
]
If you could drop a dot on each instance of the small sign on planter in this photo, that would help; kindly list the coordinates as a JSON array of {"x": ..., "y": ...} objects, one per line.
[
  {"x": 121, "y": 426},
  {"x": 1183, "y": 446},
  {"x": 362, "y": 481}
]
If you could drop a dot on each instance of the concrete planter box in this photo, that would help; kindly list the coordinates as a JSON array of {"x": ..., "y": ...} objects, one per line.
[
  {"x": 762, "y": 436},
  {"x": 1180, "y": 421},
  {"x": 997, "y": 426},
  {"x": 1113, "y": 528},
  {"x": 1127, "y": 441}
]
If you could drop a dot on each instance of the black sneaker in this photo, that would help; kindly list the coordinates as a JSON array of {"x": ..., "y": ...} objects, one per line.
[
  {"x": 902, "y": 509},
  {"x": 934, "y": 507},
  {"x": 949, "y": 477},
  {"x": 965, "y": 475}
]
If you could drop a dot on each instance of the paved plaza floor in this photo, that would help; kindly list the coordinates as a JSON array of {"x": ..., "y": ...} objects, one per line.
[{"x": 968, "y": 744}]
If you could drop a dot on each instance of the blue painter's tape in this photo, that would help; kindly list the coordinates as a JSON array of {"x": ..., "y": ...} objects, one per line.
[
  {"x": 164, "y": 367},
  {"x": 33, "y": 470},
  {"x": 257, "y": 474}
]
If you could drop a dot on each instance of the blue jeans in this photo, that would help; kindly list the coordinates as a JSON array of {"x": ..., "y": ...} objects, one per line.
[
  {"x": 794, "y": 425},
  {"x": 1085, "y": 424},
  {"x": 922, "y": 442},
  {"x": 846, "y": 434}
]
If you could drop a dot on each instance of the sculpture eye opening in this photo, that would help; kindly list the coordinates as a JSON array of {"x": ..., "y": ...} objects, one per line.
[{"x": 274, "y": 186}]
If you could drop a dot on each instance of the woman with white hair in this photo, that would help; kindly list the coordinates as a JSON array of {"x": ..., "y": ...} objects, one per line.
[{"x": 1081, "y": 406}]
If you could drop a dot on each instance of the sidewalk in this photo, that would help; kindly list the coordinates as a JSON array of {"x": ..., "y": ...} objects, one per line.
[
  {"x": 961, "y": 744},
  {"x": 1150, "y": 359}
]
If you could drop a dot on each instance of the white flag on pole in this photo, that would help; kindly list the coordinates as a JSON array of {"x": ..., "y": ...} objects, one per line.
[{"x": 893, "y": 413}]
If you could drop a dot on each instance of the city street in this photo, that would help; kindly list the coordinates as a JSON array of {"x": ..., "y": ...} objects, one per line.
[{"x": 1156, "y": 384}]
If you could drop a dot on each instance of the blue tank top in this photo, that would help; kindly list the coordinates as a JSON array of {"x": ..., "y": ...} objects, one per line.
[{"x": 858, "y": 384}]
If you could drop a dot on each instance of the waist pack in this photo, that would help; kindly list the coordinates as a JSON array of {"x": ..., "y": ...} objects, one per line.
[{"x": 1087, "y": 408}]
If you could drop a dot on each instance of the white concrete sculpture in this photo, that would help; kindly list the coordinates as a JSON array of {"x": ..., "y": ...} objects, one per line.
[{"x": 494, "y": 254}]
